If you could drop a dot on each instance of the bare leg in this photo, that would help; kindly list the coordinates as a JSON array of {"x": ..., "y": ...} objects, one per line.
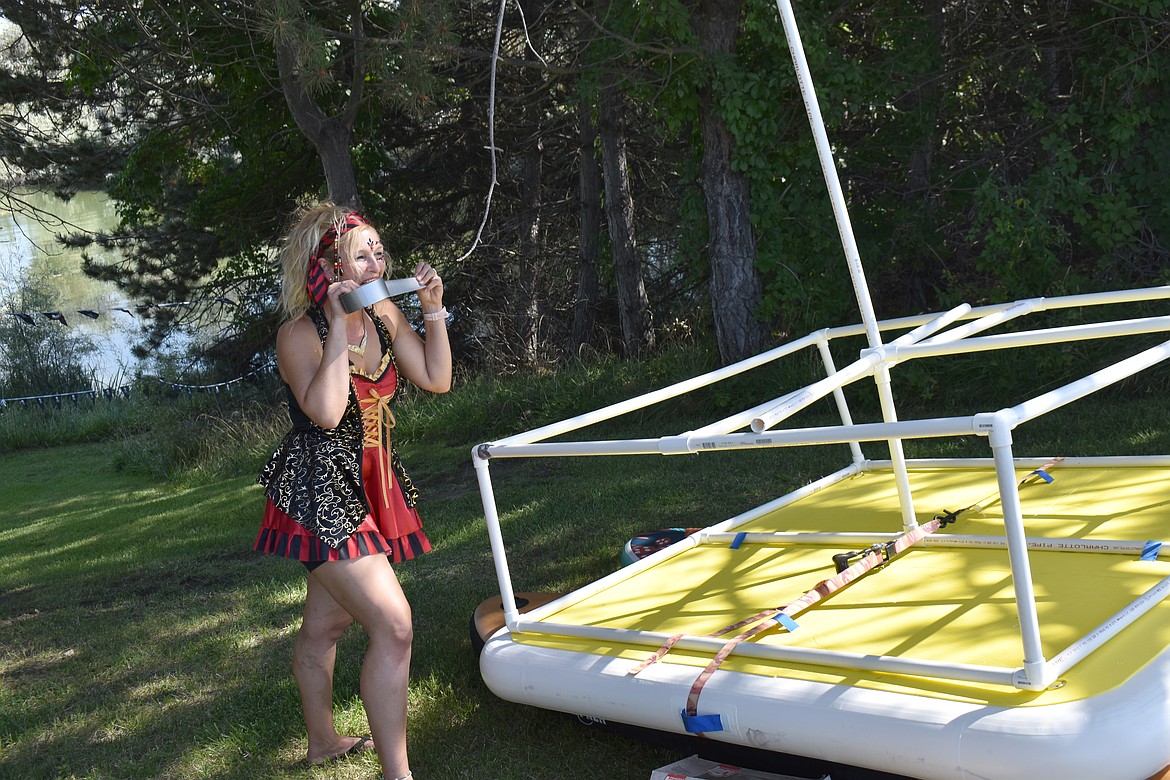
[
  {"x": 368, "y": 589},
  {"x": 314, "y": 655}
]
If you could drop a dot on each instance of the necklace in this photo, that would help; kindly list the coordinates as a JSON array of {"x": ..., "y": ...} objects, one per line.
[{"x": 359, "y": 349}]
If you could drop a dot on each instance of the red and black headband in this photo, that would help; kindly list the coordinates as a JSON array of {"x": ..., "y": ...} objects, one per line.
[{"x": 316, "y": 282}]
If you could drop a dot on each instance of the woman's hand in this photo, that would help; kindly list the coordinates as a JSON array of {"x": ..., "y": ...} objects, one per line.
[
  {"x": 336, "y": 309},
  {"x": 430, "y": 297},
  {"x": 427, "y": 364}
]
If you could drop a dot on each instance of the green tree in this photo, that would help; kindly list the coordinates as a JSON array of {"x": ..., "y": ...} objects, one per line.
[
  {"x": 190, "y": 105},
  {"x": 987, "y": 151}
]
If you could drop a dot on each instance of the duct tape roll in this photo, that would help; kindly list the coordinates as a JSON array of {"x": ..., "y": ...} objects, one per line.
[{"x": 378, "y": 290}]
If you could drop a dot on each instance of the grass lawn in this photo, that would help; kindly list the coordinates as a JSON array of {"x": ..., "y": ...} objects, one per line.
[{"x": 142, "y": 639}]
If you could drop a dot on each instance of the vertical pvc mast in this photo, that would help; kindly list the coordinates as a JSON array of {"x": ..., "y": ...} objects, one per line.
[
  {"x": 825, "y": 153},
  {"x": 849, "y": 244}
]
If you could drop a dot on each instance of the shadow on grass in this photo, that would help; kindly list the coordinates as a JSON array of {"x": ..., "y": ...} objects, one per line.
[{"x": 143, "y": 639}]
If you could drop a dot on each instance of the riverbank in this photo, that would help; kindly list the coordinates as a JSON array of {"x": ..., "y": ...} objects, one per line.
[{"x": 31, "y": 252}]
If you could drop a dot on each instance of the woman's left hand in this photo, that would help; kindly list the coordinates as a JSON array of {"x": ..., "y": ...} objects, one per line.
[{"x": 430, "y": 297}]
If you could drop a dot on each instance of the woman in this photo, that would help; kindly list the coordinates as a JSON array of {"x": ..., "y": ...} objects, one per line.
[{"x": 338, "y": 497}]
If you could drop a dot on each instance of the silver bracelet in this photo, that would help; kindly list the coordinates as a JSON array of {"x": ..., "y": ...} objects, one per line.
[{"x": 435, "y": 316}]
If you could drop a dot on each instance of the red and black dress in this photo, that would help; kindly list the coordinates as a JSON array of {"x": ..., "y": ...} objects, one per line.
[{"x": 338, "y": 493}]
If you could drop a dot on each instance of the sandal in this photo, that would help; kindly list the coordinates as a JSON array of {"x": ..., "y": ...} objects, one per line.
[{"x": 361, "y": 746}]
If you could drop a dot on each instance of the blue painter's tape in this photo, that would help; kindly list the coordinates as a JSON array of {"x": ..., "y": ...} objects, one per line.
[
  {"x": 1151, "y": 550},
  {"x": 786, "y": 621},
  {"x": 700, "y": 724},
  {"x": 739, "y": 537},
  {"x": 1044, "y": 475}
]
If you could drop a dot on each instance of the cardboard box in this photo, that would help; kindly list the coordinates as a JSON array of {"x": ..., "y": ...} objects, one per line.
[{"x": 695, "y": 768}]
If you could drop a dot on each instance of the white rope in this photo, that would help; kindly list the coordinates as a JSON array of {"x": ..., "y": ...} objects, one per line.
[
  {"x": 527, "y": 37},
  {"x": 491, "y": 132}
]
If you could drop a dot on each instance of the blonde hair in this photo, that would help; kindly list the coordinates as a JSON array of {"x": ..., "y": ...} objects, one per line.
[{"x": 302, "y": 240}]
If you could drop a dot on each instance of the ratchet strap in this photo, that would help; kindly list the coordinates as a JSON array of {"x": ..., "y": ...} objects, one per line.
[{"x": 874, "y": 557}]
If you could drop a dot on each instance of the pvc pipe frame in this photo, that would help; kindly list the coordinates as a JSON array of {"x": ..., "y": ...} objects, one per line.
[
  {"x": 1036, "y": 673},
  {"x": 944, "y": 541},
  {"x": 979, "y": 424},
  {"x": 988, "y": 315}
]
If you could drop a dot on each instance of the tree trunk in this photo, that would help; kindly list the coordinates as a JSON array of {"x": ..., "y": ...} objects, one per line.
[
  {"x": 731, "y": 251},
  {"x": 925, "y": 102},
  {"x": 333, "y": 147},
  {"x": 330, "y": 135},
  {"x": 633, "y": 304},
  {"x": 589, "y": 179}
]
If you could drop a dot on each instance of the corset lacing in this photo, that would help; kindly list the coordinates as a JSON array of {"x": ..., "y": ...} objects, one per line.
[{"x": 376, "y": 411}]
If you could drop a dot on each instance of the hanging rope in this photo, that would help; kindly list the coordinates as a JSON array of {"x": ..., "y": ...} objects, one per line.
[
  {"x": 56, "y": 399},
  {"x": 491, "y": 132}
]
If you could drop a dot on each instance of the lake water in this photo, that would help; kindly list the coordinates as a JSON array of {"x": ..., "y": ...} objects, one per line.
[{"x": 29, "y": 248}]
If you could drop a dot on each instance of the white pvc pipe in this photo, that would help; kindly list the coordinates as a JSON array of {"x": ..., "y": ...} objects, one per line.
[
  {"x": 496, "y": 539},
  {"x": 740, "y": 419},
  {"x": 663, "y": 394},
  {"x": 849, "y": 245},
  {"x": 829, "y": 170},
  {"x": 1076, "y": 461},
  {"x": 1017, "y": 309},
  {"x": 1108, "y": 296},
  {"x": 832, "y": 383},
  {"x": 1032, "y": 338},
  {"x": 1070, "y": 656},
  {"x": 1057, "y": 398},
  {"x": 901, "y": 473},
  {"x": 1000, "y": 438},
  {"x": 687, "y": 444},
  {"x": 806, "y": 396},
  {"x": 839, "y": 399},
  {"x": 572, "y": 448},
  {"x": 934, "y": 325},
  {"x": 1037, "y": 304},
  {"x": 836, "y": 434},
  {"x": 960, "y": 541}
]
